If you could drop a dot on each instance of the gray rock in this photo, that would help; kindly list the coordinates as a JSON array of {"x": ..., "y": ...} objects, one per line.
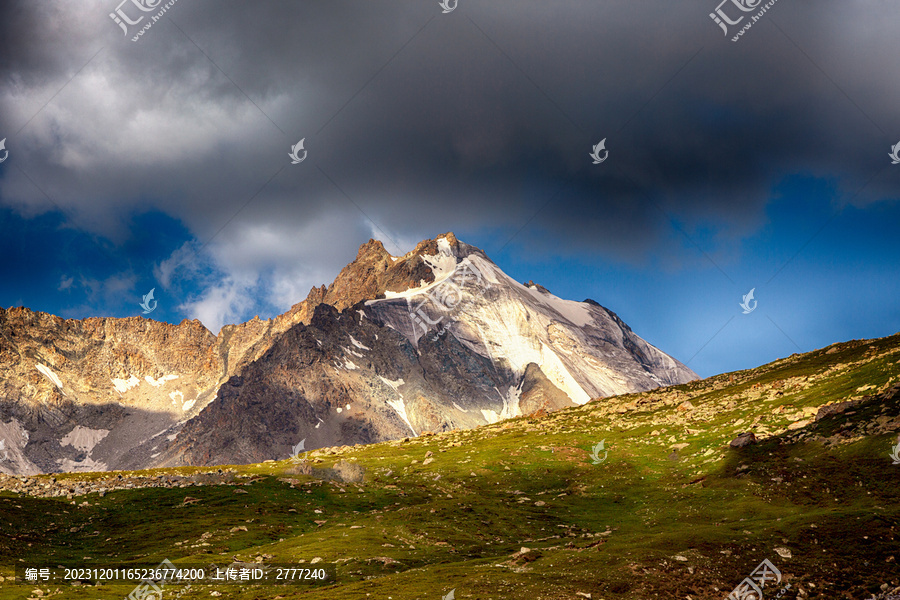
[{"x": 745, "y": 439}]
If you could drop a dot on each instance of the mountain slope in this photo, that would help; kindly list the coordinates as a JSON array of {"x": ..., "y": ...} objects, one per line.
[{"x": 521, "y": 509}]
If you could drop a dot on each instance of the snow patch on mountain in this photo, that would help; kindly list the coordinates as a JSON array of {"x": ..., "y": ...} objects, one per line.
[
  {"x": 398, "y": 404},
  {"x": 14, "y": 438},
  {"x": 576, "y": 313},
  {"x": 45, "y": 370},
  {"x": 392, "y": 384},
  {"x": 357, "y": 343},
  {"x": 159, "y": 382},
  {"x": 443, "y": 265},
  {"x": 84, "y": 438},
  {"x": 400, "y": 407},
  {"x": 490, "y": 416},
  {"x": 178, "y": 399},
  {"x": 349, "y": 351},
  {"x": 123, "y": 385},
  {"x": 155, "y": 435}
]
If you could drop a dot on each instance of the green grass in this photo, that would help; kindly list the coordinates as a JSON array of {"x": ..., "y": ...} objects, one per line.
[{"x": 827, "y": 492}]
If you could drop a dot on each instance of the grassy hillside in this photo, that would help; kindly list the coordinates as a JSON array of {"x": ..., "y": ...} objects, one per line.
[{"x": 672, "y": 512}]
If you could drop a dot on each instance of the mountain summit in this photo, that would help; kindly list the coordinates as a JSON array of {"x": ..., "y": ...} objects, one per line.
[{"x": 437, "y": 339}]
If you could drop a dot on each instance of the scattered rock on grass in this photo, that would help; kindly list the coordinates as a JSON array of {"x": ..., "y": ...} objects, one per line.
[
  {"x": 524, "y": 555},
  {"x": 744, "y": 439}
]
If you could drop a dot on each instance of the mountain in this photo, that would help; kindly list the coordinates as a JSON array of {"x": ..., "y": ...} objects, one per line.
[{"x": 435, "y": 340}]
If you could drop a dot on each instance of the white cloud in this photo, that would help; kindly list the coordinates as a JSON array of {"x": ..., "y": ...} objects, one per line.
[
  {"x": 221, "y": 304},
  {"x": 262, "y": 265}
]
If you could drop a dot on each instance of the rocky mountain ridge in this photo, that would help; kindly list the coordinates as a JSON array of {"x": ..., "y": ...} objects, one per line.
[{"x": 434, "y": 340}]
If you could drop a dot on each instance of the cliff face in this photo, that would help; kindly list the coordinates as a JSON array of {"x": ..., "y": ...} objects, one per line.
[
  {"x": 343, "y": 379},
  {"x": 437, "y": 339},
  {"x": 74, "y": 393}
]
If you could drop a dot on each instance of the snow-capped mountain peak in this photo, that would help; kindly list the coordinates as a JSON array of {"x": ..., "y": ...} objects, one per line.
[{"x": 437, "y": 339}]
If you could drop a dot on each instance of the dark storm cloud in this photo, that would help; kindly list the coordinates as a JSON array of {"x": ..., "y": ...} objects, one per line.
[{"x": 481, "y": 119}]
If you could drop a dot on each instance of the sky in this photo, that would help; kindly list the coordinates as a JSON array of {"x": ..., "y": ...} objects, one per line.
[{"x": 753, "y": 156}]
